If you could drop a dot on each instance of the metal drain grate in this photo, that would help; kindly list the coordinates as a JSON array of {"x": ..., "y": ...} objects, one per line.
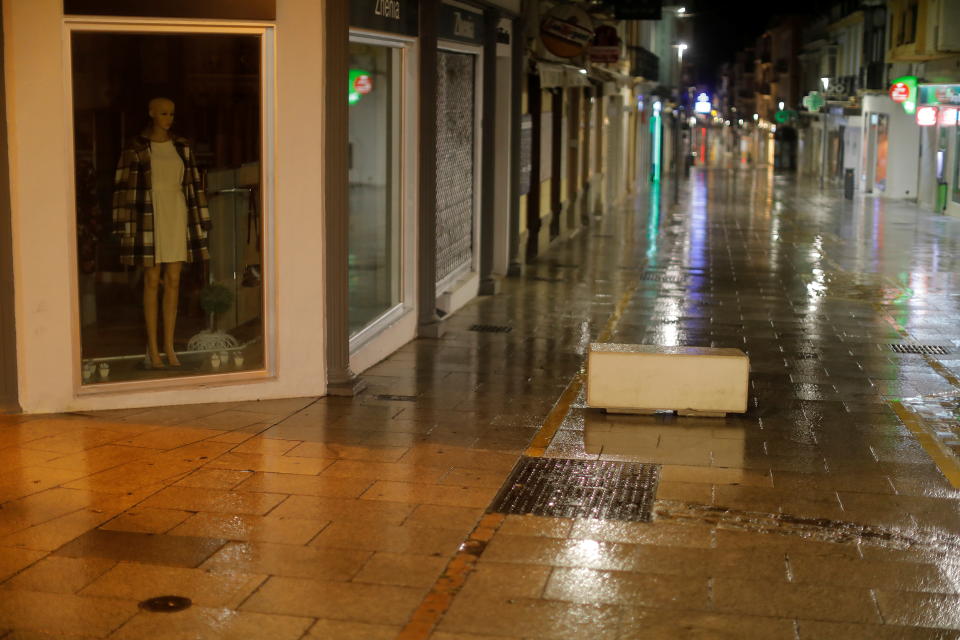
[
  {"x": 562, "y": 488},
  {"x": 395, "y": 398},
  {"x": 924, "y": 349},
  {"x": 491, "y": 328}
]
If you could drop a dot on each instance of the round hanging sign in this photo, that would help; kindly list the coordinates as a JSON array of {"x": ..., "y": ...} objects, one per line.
[
  {"x": 900, "y": 92},
  {"x": 566, "y": 31}
]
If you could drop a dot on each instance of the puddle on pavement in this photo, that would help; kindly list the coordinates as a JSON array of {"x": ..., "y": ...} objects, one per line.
[{"x": 810, "y": 529}]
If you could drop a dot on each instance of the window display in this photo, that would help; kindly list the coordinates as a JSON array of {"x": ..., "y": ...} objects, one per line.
[{"x": 167, "y": 149}]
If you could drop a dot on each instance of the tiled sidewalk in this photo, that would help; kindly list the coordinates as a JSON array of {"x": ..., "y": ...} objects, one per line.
[{"x": 819, "y": 514}]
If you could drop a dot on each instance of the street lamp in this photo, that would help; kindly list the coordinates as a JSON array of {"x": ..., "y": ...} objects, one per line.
[
  {"x": 680, "y": 49},
  {"x": 826, "y": 84}
]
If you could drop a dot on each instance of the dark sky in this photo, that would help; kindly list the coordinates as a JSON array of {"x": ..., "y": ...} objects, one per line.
[{"x": 721, "y": 28}]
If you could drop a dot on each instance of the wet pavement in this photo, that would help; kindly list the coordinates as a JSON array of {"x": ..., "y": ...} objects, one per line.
[{"x": 829, "y": 510}]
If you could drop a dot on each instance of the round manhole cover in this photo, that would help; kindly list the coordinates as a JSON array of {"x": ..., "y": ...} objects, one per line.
[{"x": 166, "y": 604}]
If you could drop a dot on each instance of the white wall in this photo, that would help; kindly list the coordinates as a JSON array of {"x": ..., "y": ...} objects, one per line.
[
  {"x": 904, "y": 146},
  {"x": 42, "y": 204}
]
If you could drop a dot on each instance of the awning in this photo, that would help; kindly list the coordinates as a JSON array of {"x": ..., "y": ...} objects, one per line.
[{"x": 560, "y": 75}]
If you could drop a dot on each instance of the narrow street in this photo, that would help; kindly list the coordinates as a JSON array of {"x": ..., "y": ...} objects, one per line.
[{"x": 829, "y": 510}]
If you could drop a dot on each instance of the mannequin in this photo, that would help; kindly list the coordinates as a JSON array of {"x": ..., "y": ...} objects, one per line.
[{"x": 160, "y": 212}]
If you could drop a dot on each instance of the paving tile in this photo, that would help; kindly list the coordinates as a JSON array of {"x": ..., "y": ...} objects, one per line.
[
  {"x": 628, "y": 588},
  {"x": 654, "y": 624},
  {"x": 561, "y": 553},
  {"x": 289, "y": 483},
  {"x": 506, "y": 580},
  {"x": 398, "y": 539},
  {"x": 935, "y": 610},
  {"x": 136, "y": 581},
  {"x": 59, "y": 613},
  {"x": 223, "y": 479},
  {"x": 270, "y": 463},
  {"x": 783, "y": 600},
  {"x": 146, "y": 520},
  {"x": 893, "y": 576},
  {"x": 168, "y": 438},
  {"x": 531, "y": 618},
  {"x": 288, "y": 560},
  {"x": 531, "y": 525},
  {"x": 14, "y": 560},
  {"x": 810, "y": 630},
  {"x": 55, "y": 574},
  {"x": 201, "y": 622},
  {"x": 367, "y": 603},
  {"x": 430, "y": 494},
  {"x": 342, "y": 509},
  {"x": 656, "y": 533},
  {"x": 174, "y": 551},
  {"x": 401, "y": 569},
  {"x": 345, "y": 630},
  {"x": 215, "y": 501},
  {"x": 249, "y": 527}
]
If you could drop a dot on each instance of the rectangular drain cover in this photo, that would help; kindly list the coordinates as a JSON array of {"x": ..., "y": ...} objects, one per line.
[
  {"x": 491, "y": 328},
  {"x": 563, "y": 488},
  {"x": 925, "y": 349}
]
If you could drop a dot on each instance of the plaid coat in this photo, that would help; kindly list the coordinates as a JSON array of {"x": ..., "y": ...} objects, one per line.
[{"x": 133, "y": 205}]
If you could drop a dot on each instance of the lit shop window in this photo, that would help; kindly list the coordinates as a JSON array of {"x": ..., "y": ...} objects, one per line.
[{"x": 167, "y": 144}]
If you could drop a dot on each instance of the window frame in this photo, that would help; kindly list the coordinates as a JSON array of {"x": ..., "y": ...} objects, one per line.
[{"x": 149, "y": 26}]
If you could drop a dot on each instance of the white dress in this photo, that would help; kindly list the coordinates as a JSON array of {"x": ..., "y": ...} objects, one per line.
[{"x": 169, "y": 204}]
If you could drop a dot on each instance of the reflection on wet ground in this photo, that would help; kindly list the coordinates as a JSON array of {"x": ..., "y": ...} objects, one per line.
[{"x": 826, "y": 511}]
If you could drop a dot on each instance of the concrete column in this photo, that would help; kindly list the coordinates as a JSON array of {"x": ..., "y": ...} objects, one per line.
[
  {"x": 8, "y": 340},
  {"x": 517, "y": 62},
  {"x": 341, "y": 381},
  {"x": 489, "y": 284},
  {"x": 429, "y": 324}
]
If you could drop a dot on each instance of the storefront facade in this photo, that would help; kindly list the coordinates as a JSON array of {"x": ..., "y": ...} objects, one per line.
[{"x": 104, "y": 257}]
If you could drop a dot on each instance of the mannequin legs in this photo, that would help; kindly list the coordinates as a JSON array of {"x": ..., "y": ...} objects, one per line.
[{"x": 171, "y": 289}]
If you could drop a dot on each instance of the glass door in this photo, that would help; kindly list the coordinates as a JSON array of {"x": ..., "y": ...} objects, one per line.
[{"x": 375, "y": 182}]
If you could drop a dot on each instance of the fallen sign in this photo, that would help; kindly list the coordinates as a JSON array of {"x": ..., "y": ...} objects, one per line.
[{"x": 693, "y": 381}]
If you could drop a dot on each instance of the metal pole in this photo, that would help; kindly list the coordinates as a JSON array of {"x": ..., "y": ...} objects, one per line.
[
  {"x": 676, "y": 157},
  {"x": 823, "y": 149}
]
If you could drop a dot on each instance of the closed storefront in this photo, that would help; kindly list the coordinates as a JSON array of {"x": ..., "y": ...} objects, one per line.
[{"x": 459, "y": 92}]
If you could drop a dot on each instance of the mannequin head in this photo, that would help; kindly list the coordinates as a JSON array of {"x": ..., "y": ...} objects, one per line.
[{"x": 161, "y": 114}]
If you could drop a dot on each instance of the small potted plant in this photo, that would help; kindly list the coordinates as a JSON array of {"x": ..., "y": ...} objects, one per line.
[{"x": 215, "y": 299}]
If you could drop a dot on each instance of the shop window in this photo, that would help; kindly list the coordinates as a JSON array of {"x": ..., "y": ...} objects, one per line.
[
  {"x": 169, "y": 209},
  {"x": 374, "y": 176}
]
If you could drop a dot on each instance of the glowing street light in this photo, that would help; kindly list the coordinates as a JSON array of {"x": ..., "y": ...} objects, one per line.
[
  {"x": 780, "y": 104},
  {"x": 826, "y": 83},
  {"x": 680, "y": 49}
]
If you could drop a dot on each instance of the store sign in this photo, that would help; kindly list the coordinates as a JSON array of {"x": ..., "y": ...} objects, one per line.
[
  {"x": 605, "y": 48},
  {"x": 813, "y": 101},
  {"x": 459, "y": 24},
  {"x": 392, "y": 16},
  {"x": 904, "y": 91},
  {"x": 566, "y": 31},
  {"x": 948, "y": 117},
  {"x": 703, "y": 104},
  {"x": 899, "y": 92},
  {"x": 204, "y": 9},
  {"x": 940, "y": 94},
  {"x": 927, "y": 116}
]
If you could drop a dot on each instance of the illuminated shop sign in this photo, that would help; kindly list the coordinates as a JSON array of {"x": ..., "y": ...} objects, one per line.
[
  {"x": 904, "y": 91},
  {"x": 948, "y": 117},
  {"x": 940, "y": 94},
  {"x": 927, "y": 116},
  {"x": 703, "y": 104}
]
